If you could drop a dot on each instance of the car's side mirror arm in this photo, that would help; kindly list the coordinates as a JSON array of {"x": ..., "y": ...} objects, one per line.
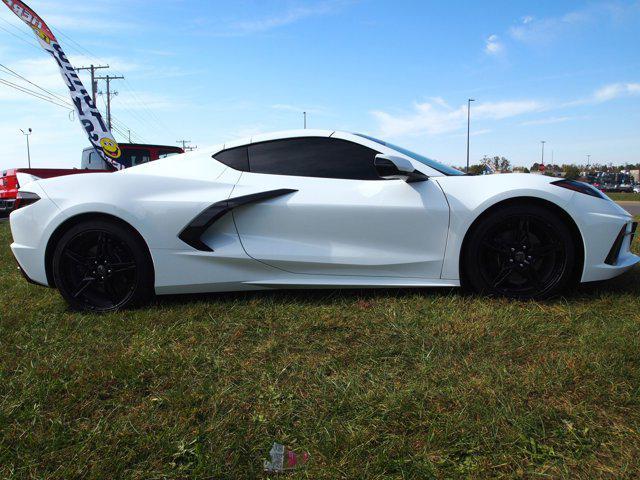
[{"x": 391, "y": 167}]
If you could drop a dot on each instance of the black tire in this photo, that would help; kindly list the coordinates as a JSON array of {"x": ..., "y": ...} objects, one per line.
[
  {"x": 102, "y": 266},
  {"x": 520, "y": 251}
]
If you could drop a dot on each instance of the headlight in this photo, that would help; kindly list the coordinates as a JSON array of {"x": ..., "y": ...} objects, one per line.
[{"x": 580, "y": 187}]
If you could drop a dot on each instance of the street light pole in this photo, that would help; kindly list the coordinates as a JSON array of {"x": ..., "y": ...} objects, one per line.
[
  {"x": 543, "y": 142},
  {"x": 468, "y": 127},
  {"x": 27, "y": 134},
  {"x": 304, "y": 114}
]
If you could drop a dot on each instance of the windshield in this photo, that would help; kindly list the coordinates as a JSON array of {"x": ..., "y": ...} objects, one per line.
[{"x": 447, "y": 170}]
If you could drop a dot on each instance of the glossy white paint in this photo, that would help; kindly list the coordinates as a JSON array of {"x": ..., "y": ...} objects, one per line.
[{"x": 329, "y": 233}]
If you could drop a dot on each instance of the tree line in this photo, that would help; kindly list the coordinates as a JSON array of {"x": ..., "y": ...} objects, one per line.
[{"x": 572, "y": 171}]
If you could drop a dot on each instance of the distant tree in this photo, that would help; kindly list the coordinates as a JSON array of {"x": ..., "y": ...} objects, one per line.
[
  {"x": 535, "y": 167},
  {"x": 505, "y": 165},
  {"x": 572, "y": 172},
  {"x": 476, "y": 169}
]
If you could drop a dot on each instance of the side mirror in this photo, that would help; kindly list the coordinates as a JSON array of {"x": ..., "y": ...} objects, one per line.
[{"x": 391, "y": 167}]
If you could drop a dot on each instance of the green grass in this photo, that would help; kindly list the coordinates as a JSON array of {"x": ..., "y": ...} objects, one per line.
[
  {"x": 389, "y": 384},
  {"x": 625, "y": 197}
]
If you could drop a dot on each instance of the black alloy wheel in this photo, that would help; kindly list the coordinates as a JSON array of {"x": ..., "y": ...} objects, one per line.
[
  {"x": 520, "y": 252},
  {"x": 101, "y": 266}
]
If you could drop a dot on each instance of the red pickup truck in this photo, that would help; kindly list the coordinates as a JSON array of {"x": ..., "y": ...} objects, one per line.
[{"x": 132, "y": 155}]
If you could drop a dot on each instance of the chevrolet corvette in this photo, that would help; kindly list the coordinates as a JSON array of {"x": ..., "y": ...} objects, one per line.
[{"x": 312, "y": 209}]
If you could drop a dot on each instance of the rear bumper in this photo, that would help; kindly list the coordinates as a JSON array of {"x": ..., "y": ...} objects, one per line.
[
  {"x": 31, "y": 228},
  {"x": 25, "y": 276},
  {"x": 6, "y": 205}
]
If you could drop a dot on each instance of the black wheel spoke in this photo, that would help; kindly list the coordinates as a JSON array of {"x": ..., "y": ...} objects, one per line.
[
  {"x": 102, "y": 245},
  {"x": 524, "y": 231},
  {"x": 122, "y": 267},
  {"x": 545, "y": 250},
  {"x": 77, "y": 258},
  {"x": 496, "y": 247},
  {"x": 110, "y": 290},
  {"x": 502, "y": 276},
  {"x": 85, "y": 283},
  {"x": 533, "y": 277}
]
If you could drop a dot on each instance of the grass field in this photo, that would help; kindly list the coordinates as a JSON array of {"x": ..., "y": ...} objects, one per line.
[
  {"x": 625, "y": 197},
  {"x": 390, "y": 384}
]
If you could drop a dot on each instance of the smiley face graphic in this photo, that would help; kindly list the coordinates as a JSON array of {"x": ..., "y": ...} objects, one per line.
[
  {"x": 110, "y": 147},
  {"x": 42, "y": 35}
]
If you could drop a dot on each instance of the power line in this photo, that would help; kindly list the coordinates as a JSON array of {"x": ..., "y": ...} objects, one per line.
[
  {"x": 55, "y": 98},
  {"x": 20, "y": 38},
  {"x": 16, "y": 74},
  {"x": 144, "y": 108},
  {"x": 33, "y": 94}
]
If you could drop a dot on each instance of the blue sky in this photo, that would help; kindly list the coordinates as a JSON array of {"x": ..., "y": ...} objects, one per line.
[{"x": 566, "y": 72}]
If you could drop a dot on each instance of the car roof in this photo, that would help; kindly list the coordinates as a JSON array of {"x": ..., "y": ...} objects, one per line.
[{"x": 281, "y": 135}]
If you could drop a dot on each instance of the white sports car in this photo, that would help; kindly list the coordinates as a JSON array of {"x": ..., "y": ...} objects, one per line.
[{"x": 312, "y": 209}]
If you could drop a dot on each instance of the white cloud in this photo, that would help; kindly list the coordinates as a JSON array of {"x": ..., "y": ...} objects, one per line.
[
  {"x": 546, "y": 121},
  {"x": 287, "y": 17},
  {"x": 432, "y": 118},
  {"x": 543, "y": 31},
  {"x": 436, "y": 117},
  {"x": 493, "y": 46},
  {"x": 616, "y": 90},
  {"x": 607, "y": 93}
]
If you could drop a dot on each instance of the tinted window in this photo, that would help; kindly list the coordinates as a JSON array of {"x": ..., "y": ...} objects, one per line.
[
  {"x": 450, "y": 171},
  {"x": 133, "y": 157},
  {"x": 236, "y": 158},
  {"x": 314, "y": 157}
]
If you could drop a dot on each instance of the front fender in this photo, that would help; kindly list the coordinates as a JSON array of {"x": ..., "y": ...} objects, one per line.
[{"x": 470, "y": 197}]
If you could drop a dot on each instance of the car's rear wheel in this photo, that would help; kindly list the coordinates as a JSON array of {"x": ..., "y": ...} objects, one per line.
[
  {"x": 102, "y": 266},
  {"x": 520, "y": 251}
]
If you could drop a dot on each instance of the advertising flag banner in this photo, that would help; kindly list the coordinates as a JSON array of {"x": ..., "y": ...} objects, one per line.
[{"x": 99, "y": 134}]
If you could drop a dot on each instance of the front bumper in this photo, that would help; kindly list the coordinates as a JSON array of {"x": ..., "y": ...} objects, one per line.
[{"x": 607, "y": 231}]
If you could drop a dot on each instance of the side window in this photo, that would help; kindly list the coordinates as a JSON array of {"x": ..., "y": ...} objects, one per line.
[
  {"x": 314, "y": 157},
  {"x": 236, "y": 158}
]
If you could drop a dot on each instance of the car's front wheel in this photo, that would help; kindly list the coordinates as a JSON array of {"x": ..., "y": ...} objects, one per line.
[
  {"x": 102, "y": 266},
  {"x": 520, "y": 251}
]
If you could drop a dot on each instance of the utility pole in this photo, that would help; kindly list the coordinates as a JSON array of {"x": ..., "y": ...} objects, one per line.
[
  {"x": 27, "y": 134},
  {"x": 94, "y": 84},
  {"x": 304, "y": 114},
  {"x": 108, "y": 79},
  {"x": 184, "y": 145},
  {"x": 588, "y": 161},
  {"x": 543, "y": 142},
  {"x": 469, "y": 128},
  {"x": 129, "y": 132}
]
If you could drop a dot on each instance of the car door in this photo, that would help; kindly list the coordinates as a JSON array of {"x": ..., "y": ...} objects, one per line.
[{"x": 332, "y": 215}]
